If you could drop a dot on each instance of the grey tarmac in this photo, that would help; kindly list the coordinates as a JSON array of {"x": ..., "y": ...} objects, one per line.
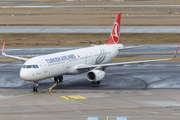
[
  {"x": 88, "y": 29},
  {"x": 132, "y": 77},
  {"x": 138, "y": 92}
]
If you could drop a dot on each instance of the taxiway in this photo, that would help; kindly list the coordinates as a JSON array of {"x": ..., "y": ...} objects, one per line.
[
  {"x": 118, "y": 95},
  {"x": 137, "y": 77},
  {"x": 89, "y": 29}
]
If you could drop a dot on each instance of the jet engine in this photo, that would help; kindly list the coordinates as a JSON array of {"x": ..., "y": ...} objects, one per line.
[{"x": 95, "y": 75}]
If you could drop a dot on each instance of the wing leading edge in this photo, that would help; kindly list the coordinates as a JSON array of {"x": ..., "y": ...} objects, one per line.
[
  {"x": 125, "y": 63},
  {"x": 124, "y": 48},
  {"x": 16, "y": 57}
]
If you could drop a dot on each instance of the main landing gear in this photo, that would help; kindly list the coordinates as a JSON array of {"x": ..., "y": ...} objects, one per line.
[
  {"x": 35, "y": 89},
  {"x": 58, "y": 79},
  {"x": 94, "y": 82}
]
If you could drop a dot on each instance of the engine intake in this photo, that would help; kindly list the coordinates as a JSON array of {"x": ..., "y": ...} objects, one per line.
[{"x": 95, "y": 75}]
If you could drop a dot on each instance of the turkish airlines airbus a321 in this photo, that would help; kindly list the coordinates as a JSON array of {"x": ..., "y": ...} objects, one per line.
[{"x": 93, "y": 60}]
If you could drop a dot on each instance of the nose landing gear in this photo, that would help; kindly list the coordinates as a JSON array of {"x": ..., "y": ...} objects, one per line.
[{"x": 35, "y": 89}]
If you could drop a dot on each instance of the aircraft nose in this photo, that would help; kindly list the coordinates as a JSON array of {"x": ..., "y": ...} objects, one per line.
[{"x": 24, "y": 74}]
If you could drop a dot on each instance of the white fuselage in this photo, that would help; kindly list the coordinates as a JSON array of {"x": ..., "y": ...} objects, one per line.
[{"x": 57, "y": 64}]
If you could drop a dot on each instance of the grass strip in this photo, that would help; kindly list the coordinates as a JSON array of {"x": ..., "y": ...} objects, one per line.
[{"x": 84, "y": 39}]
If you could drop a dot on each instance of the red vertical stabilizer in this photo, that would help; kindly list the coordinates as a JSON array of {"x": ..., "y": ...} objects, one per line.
[{"x": 114, "y": 38}]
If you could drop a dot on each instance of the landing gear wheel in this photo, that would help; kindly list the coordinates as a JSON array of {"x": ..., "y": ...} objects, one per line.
[
  {"x": 93, "y": 82},
  {"x": 60, "y": 78},
  {"x": 56, "y": 79},
  {"x": 98, "y": 82},
  {"x": 35, "y": 89}
]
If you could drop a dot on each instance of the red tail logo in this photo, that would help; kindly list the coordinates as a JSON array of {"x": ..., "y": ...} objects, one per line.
[{"x": 114, "y": 38}]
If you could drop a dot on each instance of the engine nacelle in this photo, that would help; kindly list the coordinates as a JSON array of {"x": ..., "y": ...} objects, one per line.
[{"x": 95, "y": 75}]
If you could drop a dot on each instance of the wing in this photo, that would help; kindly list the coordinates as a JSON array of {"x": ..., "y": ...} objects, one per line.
[
  {"x": 124, "y": 48},
  {"x": 16, "y": 57},
  {"x": 124, "y": 63}
]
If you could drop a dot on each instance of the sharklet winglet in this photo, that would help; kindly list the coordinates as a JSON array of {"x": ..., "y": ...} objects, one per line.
[
  {"x": 3, "y": 51},
  {"x": 11, "y": 56},
  {"x": 176, "y": 52}
]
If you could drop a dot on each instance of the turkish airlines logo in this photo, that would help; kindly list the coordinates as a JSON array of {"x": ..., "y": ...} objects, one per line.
[
  {"x": 115, "y": 33},
  {"x": 101, "y": 57}
]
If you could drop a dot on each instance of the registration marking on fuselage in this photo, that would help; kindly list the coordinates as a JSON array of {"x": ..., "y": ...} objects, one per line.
[{"x": 73, "y": 97}]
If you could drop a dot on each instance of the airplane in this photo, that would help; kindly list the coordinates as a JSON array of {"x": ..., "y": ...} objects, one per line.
[{"x": 94, "y": 60}]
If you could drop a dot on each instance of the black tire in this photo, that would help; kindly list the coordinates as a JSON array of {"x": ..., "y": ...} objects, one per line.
[
  {"x": 55, "y": 79},
  {"x": 98, "y": 82},
  {"x": 34, "y": 89},
  {"x": 93, "y": 82},
  {"x": 60, "y": 78},
  {"x": 37, "y": 89}
]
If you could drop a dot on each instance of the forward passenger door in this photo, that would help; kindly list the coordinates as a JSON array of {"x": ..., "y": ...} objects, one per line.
[{"x": 45, "y": 67}]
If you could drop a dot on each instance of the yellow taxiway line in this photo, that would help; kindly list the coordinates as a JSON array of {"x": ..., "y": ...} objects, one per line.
[
  {"x": 129, "y": 110},
  {"x": 75, "y": 97}
]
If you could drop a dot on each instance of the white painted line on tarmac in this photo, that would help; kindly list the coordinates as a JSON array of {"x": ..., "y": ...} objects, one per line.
[{"x": 2, "y": 65}]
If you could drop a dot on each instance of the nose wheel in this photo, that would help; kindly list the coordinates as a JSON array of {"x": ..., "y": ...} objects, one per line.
[{"x": 35, "y": 89}]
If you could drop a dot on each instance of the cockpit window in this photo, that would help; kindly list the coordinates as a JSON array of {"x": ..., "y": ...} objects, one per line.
[{"x": 30, "y": 66}]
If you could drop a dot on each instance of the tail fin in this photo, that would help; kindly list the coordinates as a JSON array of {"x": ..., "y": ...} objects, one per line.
[{"x": 114, "y": 38}]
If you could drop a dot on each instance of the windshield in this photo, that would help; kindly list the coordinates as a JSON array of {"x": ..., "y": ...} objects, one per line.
[{"x": 30, "y": 66}]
